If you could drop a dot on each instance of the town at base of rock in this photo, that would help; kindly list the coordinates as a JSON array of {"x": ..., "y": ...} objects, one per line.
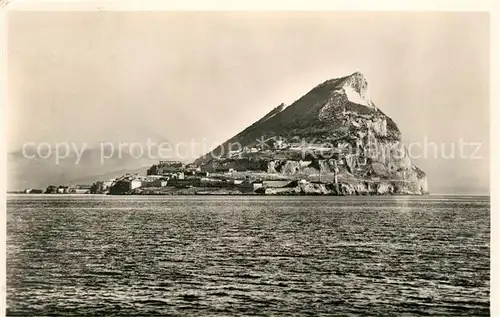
[{"x": 177, "y": 178}]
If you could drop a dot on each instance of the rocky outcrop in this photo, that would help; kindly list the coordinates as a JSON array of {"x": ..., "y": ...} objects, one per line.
[{"x": 332, "y": 135}]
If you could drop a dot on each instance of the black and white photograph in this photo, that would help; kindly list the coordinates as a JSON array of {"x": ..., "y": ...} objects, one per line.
[{"x": 247, "y": 162}]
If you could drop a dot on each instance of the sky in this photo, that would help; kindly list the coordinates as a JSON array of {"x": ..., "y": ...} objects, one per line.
[{"x": 91, "y": 77}]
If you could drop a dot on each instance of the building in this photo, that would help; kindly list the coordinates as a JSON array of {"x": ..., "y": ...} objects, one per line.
[
  {"x": 135, "y": 183},
  {"x": 97, "y": 188},
  {"x": 107, "y": 184},
  {"x": 62, "y": 189},
  {"x": 161, "y": 183},
  {"x": 154, "y": 182},
  {"x": 82, "y": 189},
  {"x": 192, "y": 169},
  {"x": 197, "y": 174},
  {"x": 192, "y": 166},
  {"x": 166, "y": 167},
  {"x": 51, "y": 189},
  {"x": 275, "y": 183},
  {"x": 256, "y": 185},
  {"x": 33, "y": 191},
  {"x": 121, "y": 186},
  {"x": 179, "y": 175}
]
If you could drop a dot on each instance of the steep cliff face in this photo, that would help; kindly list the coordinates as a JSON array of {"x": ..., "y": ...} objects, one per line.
[{"x": 333, "y": 134}]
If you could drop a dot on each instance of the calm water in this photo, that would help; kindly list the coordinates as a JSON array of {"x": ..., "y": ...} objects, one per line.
[{"x": 227, "y": 256}]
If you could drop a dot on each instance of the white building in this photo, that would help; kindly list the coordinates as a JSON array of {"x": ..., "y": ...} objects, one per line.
[{"x": 135, "y": 183}]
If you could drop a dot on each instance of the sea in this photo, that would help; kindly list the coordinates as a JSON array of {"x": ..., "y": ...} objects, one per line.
[{"x": 98, "y": 255}]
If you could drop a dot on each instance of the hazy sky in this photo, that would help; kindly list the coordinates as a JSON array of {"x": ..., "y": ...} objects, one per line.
[{"x": 126, "y": 76}]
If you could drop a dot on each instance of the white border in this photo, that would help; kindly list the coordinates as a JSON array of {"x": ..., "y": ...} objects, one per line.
[
  {"x": 256, "y": 5},
  {"x": 494, "y": 159},
  {"x": 491, "y": 6},
  {"x": 3, "y": 160}
]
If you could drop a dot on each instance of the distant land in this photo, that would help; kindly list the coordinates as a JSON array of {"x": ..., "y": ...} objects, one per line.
[{"x": 332, "y": 141}]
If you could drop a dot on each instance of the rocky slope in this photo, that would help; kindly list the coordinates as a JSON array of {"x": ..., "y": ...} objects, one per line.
[{"x": 334, "y": 135}]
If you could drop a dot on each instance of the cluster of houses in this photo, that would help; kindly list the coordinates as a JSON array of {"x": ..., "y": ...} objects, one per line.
[
  {"x": 229, "y": 173},
  {"x": 163, "y": 174},
  {"x": 61, "y": 189},
  {"x": 179, "y": 175}
]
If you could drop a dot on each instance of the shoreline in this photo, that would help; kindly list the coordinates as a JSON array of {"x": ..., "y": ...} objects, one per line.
[{"x": 241, "y": 194}]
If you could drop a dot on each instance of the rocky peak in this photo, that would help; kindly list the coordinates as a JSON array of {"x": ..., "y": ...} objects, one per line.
[{"x": 355, "y": 87}]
